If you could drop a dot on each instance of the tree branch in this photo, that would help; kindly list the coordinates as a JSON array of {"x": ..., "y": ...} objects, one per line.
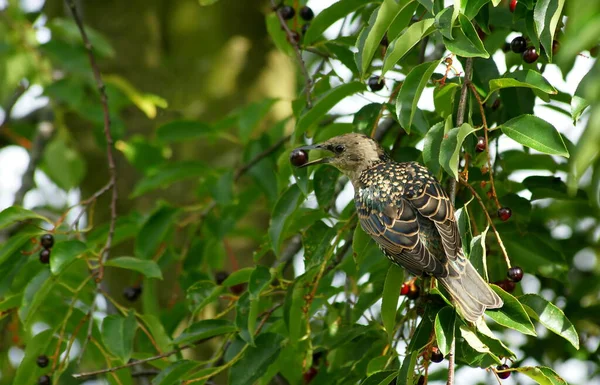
[{"x": 244, "y": 168}]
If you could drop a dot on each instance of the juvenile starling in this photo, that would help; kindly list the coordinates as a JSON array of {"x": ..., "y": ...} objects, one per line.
[{"x": 406, "y": 211}]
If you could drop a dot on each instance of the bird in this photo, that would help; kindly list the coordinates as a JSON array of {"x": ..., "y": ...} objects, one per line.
[{"x": 404, "y": 208}]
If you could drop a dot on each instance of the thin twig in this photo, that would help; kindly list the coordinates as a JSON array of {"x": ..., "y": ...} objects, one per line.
[
  {"x": 489, "y": 219},
  {"x": 104, "y": 254},
  {"x": 291, "y": 36},
  {"x": 244, "y": 168},
  {"x": 266, "y": 315},
  {"x": 139, "y": 362},
  {"x": 485, "y": 133}
]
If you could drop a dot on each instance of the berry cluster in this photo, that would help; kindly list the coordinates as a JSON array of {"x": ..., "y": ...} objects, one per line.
[
  {"x": 528, "y": 52},
  {"x": 410, "y": 290},
  {"x": 47, "y": 241},
  {"x": 513, "y": 276},
  {"x": 43, "y": 361},
  {"x": 288, "y": 12}
]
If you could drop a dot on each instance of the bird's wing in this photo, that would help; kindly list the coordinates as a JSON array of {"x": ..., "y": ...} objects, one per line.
[
  {"x": 431, "y": 201},
  {"x": 395, "y": 227}
]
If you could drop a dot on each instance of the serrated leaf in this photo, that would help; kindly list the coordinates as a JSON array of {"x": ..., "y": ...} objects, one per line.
[
  {"x": 511, "y": 314},
  {"x": 256, "y": 360},
  {"x": 391, "y": 292},
  {"x": 325, "y": 103},
  {"x": 380, "y": 378},
  {"x": 403, "y": 43},
  {"x": 444, "y": 328},
  {"x": 524, "y": 78},
  {"x": 473, "y": 340},
  {"x": 154, "y": 231},
  {"x": 451, "y": 146},
  {"x": 536, "y": 133},
  {"x": 443, "y": 99},
  {"x": 165, "y": 175},
  {"x": 28, "y": 371},
  {"x": 406, "y": 372},
  {"x": 63, "y": 164},
  {"x": 201, "y": 294},
  {"x": 64, "y": 253},
  {"x": 118, "y": 333},
  {"x": 183, "y": 130},
  {"x": 205, "y": 329},
  {"x": 239, "y": 276},
  {"x": 147, "y": 267},
  {"x": 541, "y": 374},
  {"x": 550, "y": 316},
  {"x": 546, "y": 16},
  {"x": 14, "y": 214},
  {"x": 410, "y": 93},
  {"x": 444, "y": 22}
]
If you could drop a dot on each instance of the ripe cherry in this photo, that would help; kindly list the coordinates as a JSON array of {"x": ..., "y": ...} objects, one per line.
[
  {"x": 45, "y": 256},
  {"x": 436, "y": 355},
  {"x": 47, "y": 241},
  {"x": 42, "y": 361},
  {"x": 310, "y": 374},
  {"x": 480, "y": 147},
  {"x": 44, "y": 380},
  {"x": 221, "y": 276},
  {"x": 405, "y": 289},
  {"x": 515, "y": 274},
  {"x": 375, "y": 84},
  {"x": 530, "y": 55},
  {"x": 306, "y": 13},
  {"x": 513, "y": 5},
  {"x": 555, "y": 46},
  {"x": 503, "y": 375},
  {"x": 132, "y": 293},
  {"x": 504, "y": 213},
  {"x": 518, "y": 45},
  {"x": 298, "y": 157},
  {"x": 287, "y": 12},
  {"x": 413, "y": 291},
  {"x": 506, "y": 285},
  {"x": 384, "y": 41}
]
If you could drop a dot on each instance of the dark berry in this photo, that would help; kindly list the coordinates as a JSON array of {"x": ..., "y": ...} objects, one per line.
[
  {"x": 504, "y": 213},
  {"x": 530, "y": 55},
  {"x": 298, "y": 157},
  {"x": 42, "y": 361},
  {"x": 503, "y": 375},
  {"x": 518, "y": 45},
  {"x": 384, "y": 41},
  {"x": 405, "y": 289},
  {"x": 47, "y": 241},
  {"x": 515, "y": 274},
  {"x": 480, "y": 147},
  {"x": 132, "y": 293},
  {"x": 506, "y": 285},
  {"x": 513, "y": 5},
  {"x": 375, "y": 84},
  {"x": 305, "y": 28},
  {"x": 294, "y": 37},
  {"x": 221, "y": 276},
  {"x": 436, "y": 355},
  {"x": 421, "y": 380},
  {"x": 310, "y": 374},
  {"x": 45, "y": 256},
  {"x": 44, "y": 380},
  {"x": 238, "y": 289},
  {"x": 287, "y": 12},
  {"x": 306, "y": 13},
  {"x": 413, "y": 291},
  {"x": 496, "y": 104},
  {"x": 555, "y": 46}
]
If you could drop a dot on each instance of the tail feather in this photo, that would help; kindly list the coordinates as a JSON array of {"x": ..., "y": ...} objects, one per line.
[{"x": 471, "y": 294}]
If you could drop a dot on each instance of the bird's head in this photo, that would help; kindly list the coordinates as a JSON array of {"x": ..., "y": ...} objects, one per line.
[{"x": 350, "y": 153}]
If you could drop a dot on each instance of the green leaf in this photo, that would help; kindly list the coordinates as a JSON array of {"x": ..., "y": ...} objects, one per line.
[
  {"x": 443, "y": 99},
  {"x": 524, "y": 78},
  {"x": 118, "y": 333},
  {"x": 536, "y": 133},
  {"x": 325, "y": 103},
  {"x": 466, "y": 42},
  {"x": 165, "y": 175},
  {"x": 256, "y": 360},
  {"x": 64, "y": 253},
  {"x": 546, "y": 16},
  {"x": 285, "y": 206},
  {"x": 251, "y": 115},
  {"x": 380, "y": 378},
  {"x": 205, "y": 329},
  {"x": 201, "y": 294},
  {"x": 477, "y": 254},
  {"x": 28, "y": 372},
  {"x": 278, "y": 34},
  {"x": 401, "y": 45},
  {"x": 154, "y": 231},
  {"x": 410, "y": 93},
  {"x": 259, "y": 280},
  {"x": 432, "y": 147},
  {"x": 63, "y": 164},
  {"x": 391, "y": 292},
  {"x": 183, "y": 130},
  {"x": 157, "y": 330},
  {"x": 379, "y": 23},
  {"x": 245, "y": 317},
  {"x": 147, "y": 267},
  {"x": 579, "y": 102},
  {"x": 406, "y": 372},
  {"x": 317, "y": 241},
  {"x": 512, "y": 314},
  {"x": 330, "y": 15},
  {"x": 239, "y": 276},
  {"x": 66, "y": 29},
  {"x": 444, "y": 328},
  {"x": 586, "y": 152},
  {"x": 324, "y": 182},
  {"x": 450, "y": 148},
  {"x": 16, "y": 214},
  {"x": 35, "y": 294},
  {"x": 473, "y": 340},
  {"x": 550, "y": 316},
  {"x": 444, "y": 22},
  {"x": 540, "y": 374},
  {"x": 174, "y": 372}
]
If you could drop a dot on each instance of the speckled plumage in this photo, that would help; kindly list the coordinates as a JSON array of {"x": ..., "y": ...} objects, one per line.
[{"x": 406, "y": 211}]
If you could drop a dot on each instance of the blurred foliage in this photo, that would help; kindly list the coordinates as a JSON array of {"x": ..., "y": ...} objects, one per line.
[{"x": 205, "y": 102}]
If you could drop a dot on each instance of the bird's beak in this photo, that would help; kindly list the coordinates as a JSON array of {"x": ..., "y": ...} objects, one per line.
[{"x": 316, "y": 161}]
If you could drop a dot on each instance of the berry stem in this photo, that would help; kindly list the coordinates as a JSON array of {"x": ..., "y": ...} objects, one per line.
[
  {"x": 485, "y": 133},
  {"x": 489, "y": 219}
]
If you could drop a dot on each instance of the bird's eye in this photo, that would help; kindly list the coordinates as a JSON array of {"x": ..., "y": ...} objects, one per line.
[{"x": 339, "y": 149}]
